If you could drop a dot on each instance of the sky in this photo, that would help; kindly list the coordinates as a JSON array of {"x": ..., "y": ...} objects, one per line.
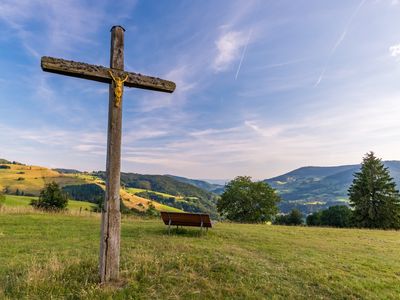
[{"x": 263, "y": 87}]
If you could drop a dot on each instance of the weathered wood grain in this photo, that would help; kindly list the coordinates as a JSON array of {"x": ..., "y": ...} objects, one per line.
[
  {"x": 111, "y": 216},
  {"x": 101, "y": 74}
]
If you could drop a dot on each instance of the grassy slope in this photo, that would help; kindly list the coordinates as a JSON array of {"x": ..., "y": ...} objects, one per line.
[
  {"x": 23, "y": 201},
  {"x": 44, "y": 256},
  {"x": 137, "y": 190},
  {"x": 34, "y": 179},
  {"x": 133, "y": 201}
]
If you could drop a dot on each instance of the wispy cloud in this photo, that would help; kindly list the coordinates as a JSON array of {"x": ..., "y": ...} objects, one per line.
[{"x": 228, "y": 49}]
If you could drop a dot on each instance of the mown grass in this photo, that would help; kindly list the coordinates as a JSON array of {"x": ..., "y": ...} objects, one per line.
[
  {"x": 23, "y": 201},
  {"x": 45, "y": 256}
]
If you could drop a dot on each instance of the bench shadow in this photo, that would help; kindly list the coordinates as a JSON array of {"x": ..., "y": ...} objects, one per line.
[{"x": 183, "y": 231}]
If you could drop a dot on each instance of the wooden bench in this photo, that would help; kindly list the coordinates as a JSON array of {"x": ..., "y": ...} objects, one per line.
[{"x": 186, "y": 219}]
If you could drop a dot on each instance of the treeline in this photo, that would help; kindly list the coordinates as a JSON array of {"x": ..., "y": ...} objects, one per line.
[
  {"x": 335, "y": 216},
  {"x": 188, "y": 204},
  {"x": 159, "y": 183},
  {"x": 7, "y": 162},
  {"x": 85, "y": 192},
  {"x": 197, "y": 200}
]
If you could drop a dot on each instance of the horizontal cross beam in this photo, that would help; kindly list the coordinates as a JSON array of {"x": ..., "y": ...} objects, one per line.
[{"x": 102, "y": 74}]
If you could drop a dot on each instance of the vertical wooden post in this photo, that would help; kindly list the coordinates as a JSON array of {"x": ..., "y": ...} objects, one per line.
[{"x": 111, "y": 216}]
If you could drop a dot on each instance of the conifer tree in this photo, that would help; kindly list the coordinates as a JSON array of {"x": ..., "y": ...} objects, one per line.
[{"x": 373, "y": 196}]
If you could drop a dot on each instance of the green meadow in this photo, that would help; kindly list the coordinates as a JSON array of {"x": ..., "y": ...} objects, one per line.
[
  {"x": 23, "y": 202},
  {"x": 55, "y": 256}
]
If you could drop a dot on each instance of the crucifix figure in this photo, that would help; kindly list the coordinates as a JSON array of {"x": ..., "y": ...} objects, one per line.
[{"x": 117, "y": 78}]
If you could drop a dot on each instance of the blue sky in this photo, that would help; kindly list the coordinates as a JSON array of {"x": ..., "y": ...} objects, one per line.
[{"x": 263, "y": 87}]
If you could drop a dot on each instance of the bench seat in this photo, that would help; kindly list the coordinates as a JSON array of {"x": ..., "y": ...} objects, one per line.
[{"x": 186, "y": 219}]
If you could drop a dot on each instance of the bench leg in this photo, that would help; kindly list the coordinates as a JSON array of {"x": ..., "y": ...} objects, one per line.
[{"x": 169, "y": 227}]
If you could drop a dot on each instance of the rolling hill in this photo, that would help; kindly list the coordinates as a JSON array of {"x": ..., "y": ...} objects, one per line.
[
  {"x": 202, "y": 184},
  {"x": 25, "y": 180},
  {"x": 313, "y": 188},
  {"x": 181, "y": 195},
  {"x": 308, "y": 188}
]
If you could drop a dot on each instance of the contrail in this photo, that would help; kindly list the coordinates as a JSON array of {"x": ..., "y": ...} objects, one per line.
[
  {"x": 243, "y": 54},
  {"x": 339, "y": 41}
]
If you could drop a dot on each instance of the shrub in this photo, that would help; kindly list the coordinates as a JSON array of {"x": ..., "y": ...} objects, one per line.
[{"x": 51, "y": 198}]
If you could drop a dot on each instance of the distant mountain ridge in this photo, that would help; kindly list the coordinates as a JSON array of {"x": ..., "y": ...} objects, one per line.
[
  {"x": 210, "y": 187},
  {"x": 314, "y": 188}
]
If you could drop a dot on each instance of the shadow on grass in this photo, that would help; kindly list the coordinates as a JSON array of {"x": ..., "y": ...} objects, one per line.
[{"x": 186, "y": 232}]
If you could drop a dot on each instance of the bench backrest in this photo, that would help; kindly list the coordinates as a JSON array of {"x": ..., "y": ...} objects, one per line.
[{"x": 186, "y": 219}]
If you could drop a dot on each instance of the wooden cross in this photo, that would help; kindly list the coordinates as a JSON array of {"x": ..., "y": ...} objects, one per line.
[{"x": 117, "y": 78}]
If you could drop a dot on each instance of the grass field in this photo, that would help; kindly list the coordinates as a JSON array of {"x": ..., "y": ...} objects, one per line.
[
  {"x": 23, "y": 201},
  {"x": 45, "y": 256}
]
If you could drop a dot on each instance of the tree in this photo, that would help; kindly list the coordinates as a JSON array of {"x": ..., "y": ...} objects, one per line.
[
  {"x": 247, "y": 201},
  {"x": 51, "y": 198},
  {"x": 295, "y": 217},
  {"x": 337, "y": 216},
  {"x": 334, "y": 216},
  {"x": 373, "y": 196},
  {"x": 314, "y": 219}
]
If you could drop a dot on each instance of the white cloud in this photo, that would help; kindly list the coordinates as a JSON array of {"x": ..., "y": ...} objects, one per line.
[
  {"x": 228, "y": 46},
  {"x": 395, "y": 50}
]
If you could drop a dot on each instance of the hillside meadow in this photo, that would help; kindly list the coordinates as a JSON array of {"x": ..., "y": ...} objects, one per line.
[
  {"x": 45, "y": 256},
  {"x": 32, "y": 179},
  {"x": 12, "y": 201}
]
